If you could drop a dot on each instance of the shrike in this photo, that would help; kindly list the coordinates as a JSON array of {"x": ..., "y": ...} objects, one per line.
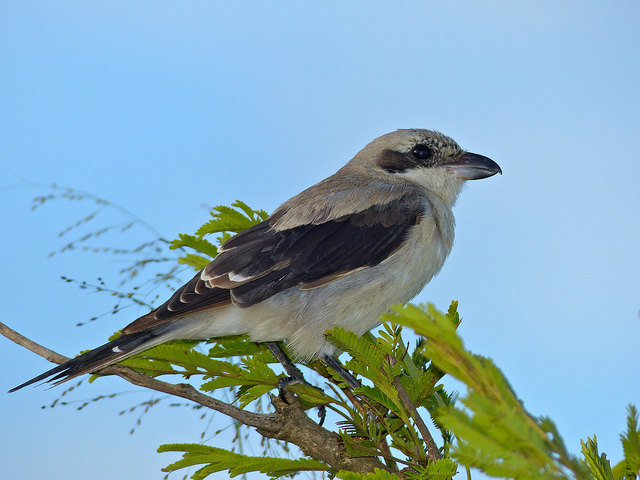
[{"x": 338, "y": 254}]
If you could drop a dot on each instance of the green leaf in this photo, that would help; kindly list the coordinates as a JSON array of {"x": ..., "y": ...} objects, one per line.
[
  {"x": 251, "y": 394},
  {"x": 631, "y": 444},
  {"x": 235, "y": 347},
  {"x": 160, "y": 359},
  {"x": 255, "y": 215},
  {"x": 221, "y": 382},
  {"x": 217, "y": 459},
  {"x": 234, "y": 219},
  {"x": 597, "y": 464},
  {"x": 368, "y": 358},
  {"x": 377, "y": 474},
  {"x": 196, "y": 261},
  {"x": 199, "y": 244},
  {"x": 442, "y": 469}
]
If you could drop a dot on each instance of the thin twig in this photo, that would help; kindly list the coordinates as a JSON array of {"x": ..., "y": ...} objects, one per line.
[
  {"x": 95, "y": 198},
  {"x": 432, "y": 449},
  {"x": 36, "y": 348}
]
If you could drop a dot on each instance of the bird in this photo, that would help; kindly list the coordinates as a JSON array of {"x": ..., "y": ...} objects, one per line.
[{"x": 340, "y": 253}]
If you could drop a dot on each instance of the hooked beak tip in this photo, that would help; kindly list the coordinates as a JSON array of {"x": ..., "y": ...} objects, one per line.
[{"x": 472, "y": 166}]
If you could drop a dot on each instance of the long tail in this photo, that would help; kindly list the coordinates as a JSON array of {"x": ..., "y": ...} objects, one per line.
[{"x": 107, "y": 354}]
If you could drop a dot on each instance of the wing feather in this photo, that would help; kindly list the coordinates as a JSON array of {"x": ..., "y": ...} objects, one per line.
[
  {"x": 262, "y": 260},
  {"x": 267, "y": 261}
]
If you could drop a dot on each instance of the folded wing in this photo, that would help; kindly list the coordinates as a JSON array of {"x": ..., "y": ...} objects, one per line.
[{"x": 262, "y": 260}]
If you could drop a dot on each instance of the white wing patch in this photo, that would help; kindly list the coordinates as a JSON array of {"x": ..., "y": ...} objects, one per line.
[{"x": 236, "y": 277}]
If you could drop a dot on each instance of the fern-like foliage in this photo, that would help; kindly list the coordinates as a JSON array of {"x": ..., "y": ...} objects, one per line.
[
  {"x": 597, "y": 463},
  {"x": 487, "y": 429},
  {"x": 629, "y": 468},
  {"x": 377, "y": 474},
  {"x": 494, "y": 432},
  {"x": 217, "y": 459},
  {"x": 394, "y": 425}
]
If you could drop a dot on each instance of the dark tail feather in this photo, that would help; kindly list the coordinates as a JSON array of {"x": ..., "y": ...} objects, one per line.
[{"x": 109, "y": 353}]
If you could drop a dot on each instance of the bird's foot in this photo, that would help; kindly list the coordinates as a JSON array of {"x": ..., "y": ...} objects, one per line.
[
  {"x": 285, "y": 382},
  {"x": 294, "y": 377}
]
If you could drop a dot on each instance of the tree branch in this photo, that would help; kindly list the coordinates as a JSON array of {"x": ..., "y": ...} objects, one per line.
[
  {"x": 36, "y": 348},
  {"x": 289, "y": 423}
]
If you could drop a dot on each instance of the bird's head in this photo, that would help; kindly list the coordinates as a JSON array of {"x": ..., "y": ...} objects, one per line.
[{"x": 425, "y": 158}]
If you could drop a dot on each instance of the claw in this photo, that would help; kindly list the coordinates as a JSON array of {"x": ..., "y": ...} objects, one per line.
[
  {"x": 284, "y": 382},
  {"x": 322, "y": 414}
]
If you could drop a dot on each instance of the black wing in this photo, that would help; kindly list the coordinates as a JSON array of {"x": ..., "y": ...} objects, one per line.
[
  {"x": 262, "y": 261},
  {"x": 259, "y": 262}
]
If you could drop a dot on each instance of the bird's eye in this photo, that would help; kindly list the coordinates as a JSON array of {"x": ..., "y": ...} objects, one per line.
[{"x": 421, "y": 152}]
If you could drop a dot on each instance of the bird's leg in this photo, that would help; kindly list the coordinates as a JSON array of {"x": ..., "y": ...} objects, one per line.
[
  {"x": 337, "y": 367},
  {"x": 294, "y": 375}
]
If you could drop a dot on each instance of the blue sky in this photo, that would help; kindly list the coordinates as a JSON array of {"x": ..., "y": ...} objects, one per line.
[{"x": 165, "y": 107}]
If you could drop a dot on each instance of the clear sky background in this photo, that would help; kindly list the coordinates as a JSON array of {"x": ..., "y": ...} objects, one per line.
[{"x": 164, "y": 107}]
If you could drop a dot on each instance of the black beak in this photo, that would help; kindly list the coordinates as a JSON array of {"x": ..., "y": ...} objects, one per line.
[{"x": 472, "y": 166}]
